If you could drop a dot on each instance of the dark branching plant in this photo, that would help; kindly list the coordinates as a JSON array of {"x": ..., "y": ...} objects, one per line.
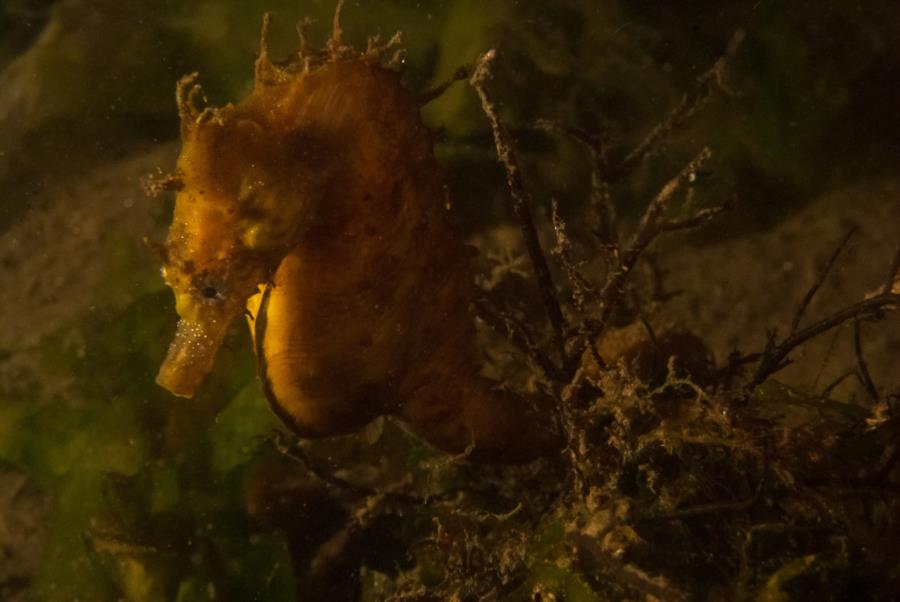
[{"x": 693, "y": 481}]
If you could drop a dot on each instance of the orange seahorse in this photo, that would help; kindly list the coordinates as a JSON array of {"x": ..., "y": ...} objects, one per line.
[{"x": 317, "y": 204}]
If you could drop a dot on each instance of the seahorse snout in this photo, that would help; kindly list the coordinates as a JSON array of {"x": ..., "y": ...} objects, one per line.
[{"x": 191, "y": 354}]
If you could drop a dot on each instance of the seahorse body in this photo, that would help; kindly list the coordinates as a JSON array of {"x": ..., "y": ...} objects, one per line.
[{"x": 317, "y": 202}]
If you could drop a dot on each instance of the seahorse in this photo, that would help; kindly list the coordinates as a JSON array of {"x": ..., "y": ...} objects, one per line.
[{"x": 316, "y": 207}]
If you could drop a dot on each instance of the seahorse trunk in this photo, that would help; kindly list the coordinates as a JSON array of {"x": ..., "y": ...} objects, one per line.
[
  {"x": 368, "y": 350},
  {"x": 369, "y": 314}
]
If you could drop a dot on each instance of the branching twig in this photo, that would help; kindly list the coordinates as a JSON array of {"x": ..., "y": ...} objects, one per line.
[
  {"x": 690, "y": 103},
  {"x": 705, "y": 509},
  {"x": 650, "y": 227},
  {"x": 590, "y": 141},
  {"x": 862, "y": 369},
  {"x": 519, "y": 197},
  {"x": 820, "y": 279},
  {"x": 602, "y": 206},
  {"x": 458, "y": 75},
  {"x": 596, "y": 557},
  {"x": 337, "y": 485},
  {"x": 893, "y": 277},
  {"x": 698, "y": 219},
  {"x": 836, "y": 382},
  {"x": 773, "y": 358},
  {"x": 502, "y": 322},
  {"x": 581, "y": 286},
  {"x": 351, "y": 492},
  {"x": 658, "y": 278}
]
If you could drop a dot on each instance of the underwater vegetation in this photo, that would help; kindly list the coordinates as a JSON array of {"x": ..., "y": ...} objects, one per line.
[{"x": 681, "y": 302}]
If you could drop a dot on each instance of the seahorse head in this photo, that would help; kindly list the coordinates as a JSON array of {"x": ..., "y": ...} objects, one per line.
[
  {"x": 253, "y": 178},
  {"x": 245, "y": 185}
]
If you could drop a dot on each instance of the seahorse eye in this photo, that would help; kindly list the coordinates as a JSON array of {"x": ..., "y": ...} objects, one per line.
[
  {"x": 208, "y": 287},
  {"x": 209, "y": 292}
]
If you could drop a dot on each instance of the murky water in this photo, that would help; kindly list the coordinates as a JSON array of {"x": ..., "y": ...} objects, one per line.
[{"x": 111, "y": 488}]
